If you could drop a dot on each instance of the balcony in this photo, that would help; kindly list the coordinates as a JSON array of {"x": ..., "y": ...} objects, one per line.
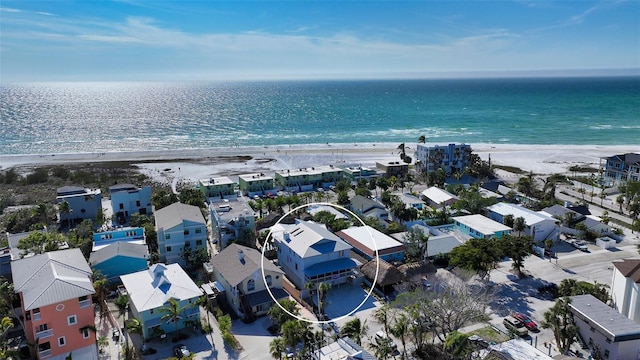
[
  {"x": 45, "y": 353},
  {"x": 44, "y": 333},
  {"x": 85, "y": 303},
  {"x": 36, "y": 316}
]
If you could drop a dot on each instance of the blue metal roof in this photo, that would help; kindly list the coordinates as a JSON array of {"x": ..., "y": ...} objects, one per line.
[{"x": 330, "y": 266}]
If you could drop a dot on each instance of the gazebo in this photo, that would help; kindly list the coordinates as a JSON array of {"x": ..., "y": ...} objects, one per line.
[{"x": 388, "y": 275}]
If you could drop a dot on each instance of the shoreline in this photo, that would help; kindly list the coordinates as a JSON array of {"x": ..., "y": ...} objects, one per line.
[{"x": 192, "y": 164}]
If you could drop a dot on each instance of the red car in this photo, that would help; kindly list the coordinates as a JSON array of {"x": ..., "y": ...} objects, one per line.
[{"x": 528, "y": 323}]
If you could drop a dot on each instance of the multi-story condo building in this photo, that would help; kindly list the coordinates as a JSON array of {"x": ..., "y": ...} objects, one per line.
[
  {"x": 255, "y": 184},
  {"x": 354, "y": 173},
  {"x": 393, "y": 168},
  {"x": 180, "y": 227},
  {"x": 128, "y": 199},
  {"x": 453, "y": 157},
  {"x": 82, "y": 204},
  {"x": 619, "y": 169},
  {"x": 55, "y": 295},
  {"x": 625, "y": 288},
  {"x": 217, "y": 188},
  {"x": 303, "y": 179}
]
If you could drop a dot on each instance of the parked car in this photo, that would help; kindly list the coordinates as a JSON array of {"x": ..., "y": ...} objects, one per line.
[
  {"x": 515, "y": 325},
  {"x": 580, "y": 245},
  {"x": 181, "y": 351},
  {"x": 549, "y": 253},
  {"x": 528, "y": 323}
]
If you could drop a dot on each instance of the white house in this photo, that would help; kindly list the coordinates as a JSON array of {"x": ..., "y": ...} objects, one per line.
[
  {"x": 537, "y": 224},
  {"x": 604, "y": 328},
  {"x": 128, "y": 199},
  {"x": 436, "y": 197},
  {"x": 625, "y": 288},
  {"x": 366, "y": 240},
  {"x": 308, "y": 252},
  {"x": 238, "y": 269},
  {"x": 480, "y": 227},
  {"x": 180, "y": 227}
]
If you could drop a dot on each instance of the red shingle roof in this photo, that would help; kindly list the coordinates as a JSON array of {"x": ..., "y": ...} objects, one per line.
[{"x": 629, "y": 268}]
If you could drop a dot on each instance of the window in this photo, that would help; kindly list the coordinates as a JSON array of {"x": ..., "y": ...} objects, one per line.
[
  {"x": 606, "y": 354},
  {"x": 72, "y": 320},
  {"x": 198, "y": 230},
  {"x": 121, "y": 206},
  {"x": 62, "y": 341},
  {"x": 268, "y": 279},
  {"x": 36, "y": 314},
  {"x": 296, "y": 266},
  {"x": 168, "y": 248},
  {"x": 167, "y": 236},
  {"x": 251, "y": 285},
  {"x": 138, "y": 203},
  {"x": 198, "y": 242},
  {"x": 186, "y": 231},
  {"x": 85, "y": 333},
  {"x": 187, "y": 244},
  {"x": 84, "y": 301},
  {"x": 151, "y": 311},
  {"x": 44, "y": 347},
  {"x": 341, "y": 253}
]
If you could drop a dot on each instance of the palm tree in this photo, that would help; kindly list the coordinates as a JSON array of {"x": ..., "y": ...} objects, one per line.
[
  {"x": 560, "y": 320},
  {"x": 620, "y": 201},
  {"x": 519, "y": 225},
  {"x": 121, "y": 303},
  {"x": 277, "y": 347},
  {"x": 400, "y": 330},
  {"x": 293, "y": 332},
  {"x": 508, "y": 220},
  {"x": 323, "y": 288},
  {"x": 172, "y": 312},
  {"x": 383, "y": 316},
  {"x": 355, "y": 329},
  {"x": 311, "y": 286},
  {"x": 422, "y": 139}
]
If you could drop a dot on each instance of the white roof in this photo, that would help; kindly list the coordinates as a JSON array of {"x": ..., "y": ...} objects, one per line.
[
  {"x": 152, "y": 288},
  {"x": 255, "y": 177},
  {"x": 530, "y": 217},
  {"x": 308, "y": 239},
  {"x": 51, "y": 278},
  {"x": 408, "y": 199},
  {"x": 216, "y": 181},
  {"x": 438, "y": 195},
  {"x": 518, "y": 349},
  {"x": 481, "y": 223},
  {"x": 362, "y": 235},
  {"x": 314, "y": 209}
]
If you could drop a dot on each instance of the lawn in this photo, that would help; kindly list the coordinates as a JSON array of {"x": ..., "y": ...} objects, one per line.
[{"x": 490, "y": 334}]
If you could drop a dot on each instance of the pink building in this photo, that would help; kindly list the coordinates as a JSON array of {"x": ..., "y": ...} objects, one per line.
[{"x": 55, "y": 292}]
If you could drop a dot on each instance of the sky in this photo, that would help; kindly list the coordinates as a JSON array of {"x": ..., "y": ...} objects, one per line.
[{"x": 132, "y": 40}]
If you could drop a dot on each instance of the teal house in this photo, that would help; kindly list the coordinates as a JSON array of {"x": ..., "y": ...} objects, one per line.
[
  {"x": 150, "y": 290},
  {"x": 119, "y": 258}
]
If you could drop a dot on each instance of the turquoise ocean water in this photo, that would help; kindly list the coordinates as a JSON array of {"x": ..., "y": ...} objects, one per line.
[{"x": 42, "y": 118}]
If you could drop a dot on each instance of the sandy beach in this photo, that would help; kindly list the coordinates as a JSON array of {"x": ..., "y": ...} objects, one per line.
[{"x": 189, "y": 165}]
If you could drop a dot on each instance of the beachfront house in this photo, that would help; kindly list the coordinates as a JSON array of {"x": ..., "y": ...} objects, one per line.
[
  {"x": 308, "y": 252},
  {"x": 216, "y": 189},
  {"x": 238, "y": 269},
  {"x": 603, "y": 328},
  {"x": 151, "y": 289},
  {"x": 55, "y": 303},
  {"x": 181, "y": 230},
  {"x": 393, "y": 168},
  {"x": 619, "y": 169},
  {"x": 366, "y": 240},
  {"x": 232, "y": 220},
  {"x": 537, "y": 224},
  {"x": 453, "y": 158},
  {"x": 128, "y": 199},
  {"x": 256, "y": 184},
  {"x": 480, "y": 227},
  {"x": 119, "y": 258},
  {"x": 76, "y": 204},
  {"x": 625, "y": 288}
]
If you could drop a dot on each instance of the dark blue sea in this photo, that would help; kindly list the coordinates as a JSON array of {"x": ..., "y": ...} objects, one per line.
[{"x": 43, "y": 118}]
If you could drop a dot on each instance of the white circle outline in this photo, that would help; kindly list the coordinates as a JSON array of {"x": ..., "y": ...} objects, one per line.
[{"x": 373, "y": 284}]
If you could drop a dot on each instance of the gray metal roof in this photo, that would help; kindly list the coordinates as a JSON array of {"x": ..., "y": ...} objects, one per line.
[
  {"x": 119, "y": 248},
  {"x": 308, "y": 239},
  {"x": 364, "y": 204},
  {"x": 174, "y": 214},
  {"x": 609, "y": 322},
  {"x": 228, "y": 264},
  {"x": 52, "y": 277},
  {"x": 152, "y": 288}
]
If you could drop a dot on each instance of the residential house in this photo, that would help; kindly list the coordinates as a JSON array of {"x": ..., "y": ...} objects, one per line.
[
  {"x": 366, "y": 240},
  {"x": 562, "y": 213},
  {"x": 516, "y": 349},
  {"x": 410, "y": 201},
  {"x": 618, "y": 169},
  {"x": 180, "y": 227},
  {"x": 239, "y": 270},
  {"x": 314, "y": 209},
  {"x": 134, "y": 235},
  {"x": 128, "y": 199},
  {"x": 438, "y": 198},
  {"x": 84, "y": 204},
  {"x": 217, "y": 188},
  {"x": 393, "y": 168},
  {"x": 602, "y": 327},
  {"x": 366, "y": 208},
  {"x": 308, "y": 252},
  {"x": 119, "y": 258},
  {"x": 343, "y": 349},
  {"x": 480, "y": 227},
  {"x": 454, "y": 158},
  {"x": 439, "y": 242},
  {"x": 625, "y": 288},
  {"x": 254, "y": 184},
  {"x": 232, "y": 220},
  {"x": 537, "y": 224},
  {"x": 150, "y": 290},
  {"x": 55, "y": 296},
  {"x": 595, "y": 225}
]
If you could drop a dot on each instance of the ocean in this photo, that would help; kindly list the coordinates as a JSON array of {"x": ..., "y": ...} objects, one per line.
[{"x": 46, "y": 118}]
